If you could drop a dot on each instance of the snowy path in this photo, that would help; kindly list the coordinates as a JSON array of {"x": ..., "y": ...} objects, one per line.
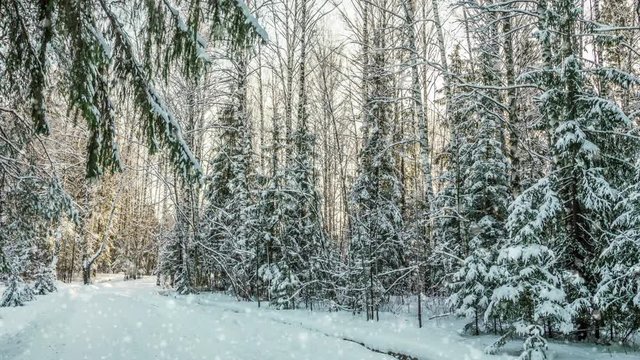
[
  {"x": 120, "y": 320},
  {"x": 129, "y": 320}
]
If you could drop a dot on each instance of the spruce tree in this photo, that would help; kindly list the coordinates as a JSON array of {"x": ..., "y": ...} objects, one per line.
[
  {"x": 618, "y": 292},
  {"x": 377, "y": 245},
  {"x": 529, "y": 290},
  {"x": 271, "y": 217},
  {"x": 486, "y": 182},
  {"x": 31, "y": 209},
  {"x": 230, "y": 213},
  {"x": 17, "y": 292},
  {"x": 304, "y": 240},
  {"x": 303, "y": 237},
  {"x": 558, "y": 225},
  {"x": 449, "y": 231}
]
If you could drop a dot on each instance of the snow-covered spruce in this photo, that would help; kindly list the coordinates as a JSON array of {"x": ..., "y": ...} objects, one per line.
[
  {"x": 17, "y": 292},
  {"x": 529, "y": 290},
  {"x": 230, "y": 222},
  {"x": 550, "y": 270},
  {"x": 378, "y": 243},
  {"x": 618, "y": 292},
  {"x": 44, "y": 282},
  {"x": 484, "y": 191}
]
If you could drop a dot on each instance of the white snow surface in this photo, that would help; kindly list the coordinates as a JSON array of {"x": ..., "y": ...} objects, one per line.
[{"x": 130, "y": 320}]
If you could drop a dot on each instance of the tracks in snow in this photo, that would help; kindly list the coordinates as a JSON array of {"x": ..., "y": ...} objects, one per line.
[{"x": 397, "y": 355}]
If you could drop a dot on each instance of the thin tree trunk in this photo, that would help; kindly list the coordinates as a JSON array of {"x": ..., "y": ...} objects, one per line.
[{"x": 514, "y": 137}]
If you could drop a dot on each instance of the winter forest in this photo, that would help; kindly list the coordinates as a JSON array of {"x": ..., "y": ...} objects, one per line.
[{"x": 469, "y": 169}]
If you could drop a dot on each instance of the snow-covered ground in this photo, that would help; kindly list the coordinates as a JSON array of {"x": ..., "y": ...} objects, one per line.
[{"x": 131, "y": 320}]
